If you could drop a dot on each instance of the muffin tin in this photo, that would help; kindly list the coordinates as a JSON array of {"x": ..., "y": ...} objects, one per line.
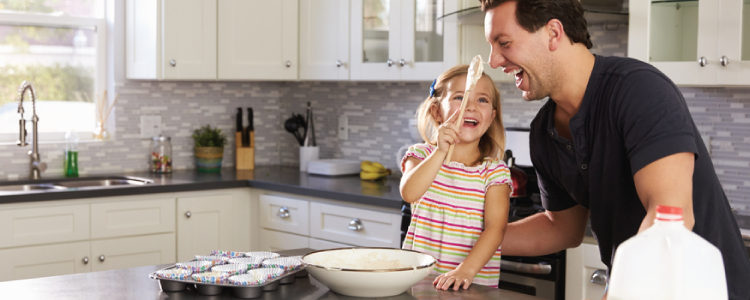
[{"x": 260, "y": 276}]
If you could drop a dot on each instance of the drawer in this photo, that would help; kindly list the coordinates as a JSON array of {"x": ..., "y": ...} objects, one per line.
[
  {"x": 331, "y": 222},
  {"x": 276, "y": 241},
  {"x": 284, "y": 214},
  {"x": 324, "y": 245},
  {"x": 131, "y": 252},
  {"x": 45, "y": 225},
  {"x": 43, "y": 261},
  {"x": 116, "y": 219}
]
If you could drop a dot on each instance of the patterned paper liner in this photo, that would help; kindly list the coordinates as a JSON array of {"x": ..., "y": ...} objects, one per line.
[
  {"x": 231, "y": 269},
  {"x": 256, "y": 276},
  {"x": 231, "y": 254},
  {"x": 176, "y": 273},
  {"x": 251, "y": 262},
  {"x": 215, "y": 259},
  {"x": 195, "y": 266},
  {"x": 211, "y": 277},
  {"x": 262, "y": 254},
  {"x": 288, "y": 264}
]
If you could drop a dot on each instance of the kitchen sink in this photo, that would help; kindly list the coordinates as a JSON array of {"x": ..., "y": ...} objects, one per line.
[{"x": 71, "y": 184}]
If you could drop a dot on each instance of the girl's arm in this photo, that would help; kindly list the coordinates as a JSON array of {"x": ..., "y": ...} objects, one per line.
[
  {"x": 418, "y": 176},
  {"x": 496, "y": 206}
]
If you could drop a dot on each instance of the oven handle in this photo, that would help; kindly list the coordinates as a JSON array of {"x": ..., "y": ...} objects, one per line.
[{"x": 540, "y": 268}]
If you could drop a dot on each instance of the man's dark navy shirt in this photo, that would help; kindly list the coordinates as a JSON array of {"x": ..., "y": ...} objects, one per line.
[{"x": 631, "y": 116}]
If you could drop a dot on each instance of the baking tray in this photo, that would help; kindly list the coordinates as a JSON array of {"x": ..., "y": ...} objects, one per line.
[{"x": 239, "y": 291}]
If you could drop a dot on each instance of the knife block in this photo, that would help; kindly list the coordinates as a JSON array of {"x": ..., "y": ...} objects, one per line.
[{"x": 245, "y": 155}]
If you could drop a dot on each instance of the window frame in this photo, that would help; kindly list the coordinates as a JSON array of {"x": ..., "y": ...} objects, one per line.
[{"x": 100, "y": 78}]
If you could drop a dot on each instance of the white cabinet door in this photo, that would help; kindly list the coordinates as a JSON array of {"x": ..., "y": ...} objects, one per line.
[
  {"x": 324, "y": 245},
  {"x": 142, "y": 34},
  {"x": 581, "y": 264},
  {"x": 43, "y": 261},
  {"x": 354, "y": 226},
  {"x": 258, "y": 39},
  {"x": 277, "y": 241},
  {"x": 324, "y": 40},
  {"x": 428, "y": 46},
  {"x": 115, "y": 219},
  {"x": 204, "y": 223},
  {"x": 284, "y": 214},
  {"x": 189, "y": 40},
  {"x": 375, "y": 40},
  {"x": 132, "y": 252},
  {"x": 44, "y": 225}
]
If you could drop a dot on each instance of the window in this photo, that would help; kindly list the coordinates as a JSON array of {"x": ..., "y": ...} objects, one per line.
[{"x": 60, "y": 47}]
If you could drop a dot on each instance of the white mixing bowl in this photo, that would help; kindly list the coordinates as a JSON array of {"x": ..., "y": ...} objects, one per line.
[{"x": 369, "y": 272}]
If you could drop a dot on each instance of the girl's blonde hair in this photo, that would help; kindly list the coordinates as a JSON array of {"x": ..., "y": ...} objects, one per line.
[{"x": 491, "y": 144}]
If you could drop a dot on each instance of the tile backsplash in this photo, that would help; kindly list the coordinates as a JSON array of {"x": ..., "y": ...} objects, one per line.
[{"x": 378, "y": 114}]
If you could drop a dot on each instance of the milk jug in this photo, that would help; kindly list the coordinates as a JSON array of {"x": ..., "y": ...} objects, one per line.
[{"x": 667, "y": 261}]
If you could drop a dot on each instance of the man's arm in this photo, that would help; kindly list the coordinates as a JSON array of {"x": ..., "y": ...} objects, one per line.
[
  {"x": 667, "y": 181},
  {"x": 546, "y": 233}
]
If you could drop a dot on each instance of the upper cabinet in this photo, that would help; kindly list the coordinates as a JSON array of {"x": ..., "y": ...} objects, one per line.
[
  {"x": 474, "y": 43},
  {"x": 171, "y": 39},
  {"x": 258, "y": 39},
  {"x": 696, "y": 42},
  {"x": 401, "y": 39},
  {"x": 324, "y": 40}
]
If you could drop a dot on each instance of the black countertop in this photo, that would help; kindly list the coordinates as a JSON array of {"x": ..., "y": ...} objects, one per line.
[
  {"x": 133, "y": 283},
  {"x": 382, "y": 193}
]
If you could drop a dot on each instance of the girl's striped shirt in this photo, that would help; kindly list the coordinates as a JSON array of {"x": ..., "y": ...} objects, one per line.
[{"x": 447, "y": 221}]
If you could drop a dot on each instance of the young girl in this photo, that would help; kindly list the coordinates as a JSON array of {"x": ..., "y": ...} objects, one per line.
[{"x": 459, "y": 209}]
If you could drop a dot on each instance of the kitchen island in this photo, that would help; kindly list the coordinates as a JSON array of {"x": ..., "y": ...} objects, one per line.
[{"x": 134, "y": 283}]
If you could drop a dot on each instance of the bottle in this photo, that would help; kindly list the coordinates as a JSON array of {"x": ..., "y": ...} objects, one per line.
[
  {"x": 70, "y": 164},
  {"x": 161, "y": 155},
  {"x": 667, "y": 261}
]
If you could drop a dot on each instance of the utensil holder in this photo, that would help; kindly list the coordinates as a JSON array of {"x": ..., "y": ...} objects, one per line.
[
  {"x": 245, "y": 155},
  {"x": 307, "y": 154}
]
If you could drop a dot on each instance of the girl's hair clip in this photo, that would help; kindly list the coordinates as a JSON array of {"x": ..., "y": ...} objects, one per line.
[{"x": 432, "y": 88}]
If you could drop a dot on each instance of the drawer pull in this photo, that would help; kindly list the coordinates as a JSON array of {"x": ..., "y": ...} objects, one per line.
[
  {"x": 599, "y": 277},
  {"x": 86, "y": 260},
  {"x": 188, "y": 214},
  {"x": 101, "y": 258},
  {"x": 283, "y": 212},
  {"x": 355, "y": 225}
]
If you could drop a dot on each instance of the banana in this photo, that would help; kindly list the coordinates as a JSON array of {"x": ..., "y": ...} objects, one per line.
[
  {"x": 378, "y": 165},
  {"x": 372, "y": 167},
  {"x": 365, "y": 175}
]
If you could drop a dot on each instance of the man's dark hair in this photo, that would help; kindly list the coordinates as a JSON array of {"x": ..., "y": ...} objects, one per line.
[{"x": 534, "y": 14}]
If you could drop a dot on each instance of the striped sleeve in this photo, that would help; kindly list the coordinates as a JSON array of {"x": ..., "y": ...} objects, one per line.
[
  {"x": 498, "y": 173},
  {"x": 418, "y": 151}
]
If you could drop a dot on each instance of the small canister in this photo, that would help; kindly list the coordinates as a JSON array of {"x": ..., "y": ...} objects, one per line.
[{"x": 161, "y": 155}]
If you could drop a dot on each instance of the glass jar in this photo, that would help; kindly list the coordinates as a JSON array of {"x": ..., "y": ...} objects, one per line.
[{"x": 161, "y": 155}]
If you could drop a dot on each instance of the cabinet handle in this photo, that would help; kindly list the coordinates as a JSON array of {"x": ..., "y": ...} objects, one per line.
[
  {"x": 402, "y": 62},
  {"x": 288, "y": 64},
  {"x": 101, "y": 258},
  {"x": 188, "y": 214},
  {"x": 339, "y": 63},
  {"x": 599, "y": 277},
  {"x": 173, "y": 62},
  {"x": 724, "y": 60},
  {"x": 355, "y": 225},
  {"x": 702, "y": 61},
  {"x": 283, "y": 212},
  {"x": 85, "y": 260},
  {"x": 389, "y": 62}
]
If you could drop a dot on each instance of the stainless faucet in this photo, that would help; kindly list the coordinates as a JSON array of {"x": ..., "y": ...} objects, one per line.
[{"x": 36, "y": 164}]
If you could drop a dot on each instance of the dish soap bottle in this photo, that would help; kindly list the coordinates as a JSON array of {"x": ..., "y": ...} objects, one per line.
[{"x": 70, "y": 165}]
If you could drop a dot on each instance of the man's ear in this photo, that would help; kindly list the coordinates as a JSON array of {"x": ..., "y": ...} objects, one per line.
[
  {"x": 436, "y": 114},
  {"x": 555, "y": 32}
]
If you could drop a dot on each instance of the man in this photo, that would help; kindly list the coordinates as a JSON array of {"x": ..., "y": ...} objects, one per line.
[{"x": 615, "y": 140}]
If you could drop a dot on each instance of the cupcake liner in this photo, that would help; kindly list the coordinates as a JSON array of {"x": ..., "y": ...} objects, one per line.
[
  {"x": 195, "y": 266},
  {"x": 231, "y": 269},
  {"x": 231, "y": 254},
  {"x": 288, "y": 264},
  {"x": 262, "y": 254},
  {"x": 211, "y": 277},
  {"x": 256, "y": 277},
  {"x": 215, "y": 259},
  {"x": 251, "y": 262},
  {"x": 176, "y": 273}
]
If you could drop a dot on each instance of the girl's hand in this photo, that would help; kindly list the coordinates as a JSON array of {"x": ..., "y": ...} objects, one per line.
[
  {"x": 448, "y": 133},
  {"x": 456, "y": 277}
]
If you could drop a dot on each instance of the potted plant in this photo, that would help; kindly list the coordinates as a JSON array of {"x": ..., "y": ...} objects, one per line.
[{"x": 209, "y": 148}]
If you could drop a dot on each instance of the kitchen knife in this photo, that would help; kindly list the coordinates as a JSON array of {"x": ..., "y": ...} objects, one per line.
[{"x": 250, "y": 128}]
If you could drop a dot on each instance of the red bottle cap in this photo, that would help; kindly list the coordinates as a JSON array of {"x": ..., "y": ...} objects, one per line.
[{"x": 668, "y": 213}]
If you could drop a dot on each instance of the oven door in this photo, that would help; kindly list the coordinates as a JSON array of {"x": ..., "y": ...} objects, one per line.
[{"x": 542, "y": 276}]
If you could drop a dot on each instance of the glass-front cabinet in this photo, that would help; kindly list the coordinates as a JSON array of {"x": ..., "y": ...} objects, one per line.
[
  {"x": 401, "y": 39},
  {"x": 694, "y": 42}
]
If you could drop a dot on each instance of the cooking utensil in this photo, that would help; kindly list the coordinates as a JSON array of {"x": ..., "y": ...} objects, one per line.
[
  {"x": 472, "y": 77},
  {"x": 309, "y": 140},
  {"x": 293, "y": 125}
]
